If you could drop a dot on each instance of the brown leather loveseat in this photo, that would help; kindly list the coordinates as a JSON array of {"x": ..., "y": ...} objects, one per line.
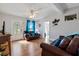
[{"x": 69, "y": 47}]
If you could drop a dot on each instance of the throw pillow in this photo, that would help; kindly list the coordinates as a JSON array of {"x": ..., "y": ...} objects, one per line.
[
  {"x": 64, "y": 43},
  {"x": 53, "y": 42},
  {"x": 57, "y": 41}
]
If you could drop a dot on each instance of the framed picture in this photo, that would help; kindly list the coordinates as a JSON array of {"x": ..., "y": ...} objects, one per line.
[{"x": 71, "y": 17}]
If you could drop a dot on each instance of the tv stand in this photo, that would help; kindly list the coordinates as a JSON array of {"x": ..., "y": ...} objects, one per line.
[{"x": 5, "y": 41}]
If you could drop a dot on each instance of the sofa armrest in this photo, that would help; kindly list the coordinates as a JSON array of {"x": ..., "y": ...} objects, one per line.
[{"x": 48, "y": 50}]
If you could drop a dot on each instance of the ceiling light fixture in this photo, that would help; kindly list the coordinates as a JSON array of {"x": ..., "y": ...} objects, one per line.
[{"x": 33, "y": 14}]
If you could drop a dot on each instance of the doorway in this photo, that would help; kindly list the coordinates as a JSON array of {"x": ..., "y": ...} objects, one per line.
[{"x": 46, "y": 31}]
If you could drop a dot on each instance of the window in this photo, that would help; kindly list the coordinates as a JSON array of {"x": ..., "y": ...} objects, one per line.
[{"x": 30, "y": 26}]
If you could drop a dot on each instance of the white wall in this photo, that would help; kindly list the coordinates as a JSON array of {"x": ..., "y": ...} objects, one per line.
[
  {"x": 9, "y": 25},
  {"x": 54, "y": 30},
  {"x": 64, "y": 27}
]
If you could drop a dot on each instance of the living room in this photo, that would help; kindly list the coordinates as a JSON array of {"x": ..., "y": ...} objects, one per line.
[{"x": 32, "y": 25}]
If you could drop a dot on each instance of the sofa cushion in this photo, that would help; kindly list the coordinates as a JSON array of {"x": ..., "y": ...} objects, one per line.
[
  {"x": 73, "y": 46},
  {"x": 57, "y": 41},
  {"x": 64, "y": 43}
]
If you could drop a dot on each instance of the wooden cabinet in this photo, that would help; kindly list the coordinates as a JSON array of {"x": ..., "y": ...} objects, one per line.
[{"x": 5, "y": 43}]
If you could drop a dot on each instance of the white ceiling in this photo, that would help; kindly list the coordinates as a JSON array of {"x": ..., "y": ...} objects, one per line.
[
  {"x": 41, "y": 9},
  {"x": 72, "y": 5}
]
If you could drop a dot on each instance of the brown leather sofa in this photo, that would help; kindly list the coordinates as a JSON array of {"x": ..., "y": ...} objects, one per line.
[{"x": 70, "y": 50}]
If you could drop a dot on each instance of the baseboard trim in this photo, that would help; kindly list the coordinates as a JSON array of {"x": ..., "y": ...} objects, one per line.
[{"x": 17, "y": 40}]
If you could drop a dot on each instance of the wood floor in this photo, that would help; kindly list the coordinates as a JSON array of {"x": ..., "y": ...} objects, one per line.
[{"x": 26, "y": 48}]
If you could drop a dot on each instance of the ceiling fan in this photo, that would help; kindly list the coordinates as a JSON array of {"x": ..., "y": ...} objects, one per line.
[{"x": 34, "y": 12}]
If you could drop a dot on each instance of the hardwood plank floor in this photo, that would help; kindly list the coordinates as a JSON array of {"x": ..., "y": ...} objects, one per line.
[{"x": 26, "y": 48}]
